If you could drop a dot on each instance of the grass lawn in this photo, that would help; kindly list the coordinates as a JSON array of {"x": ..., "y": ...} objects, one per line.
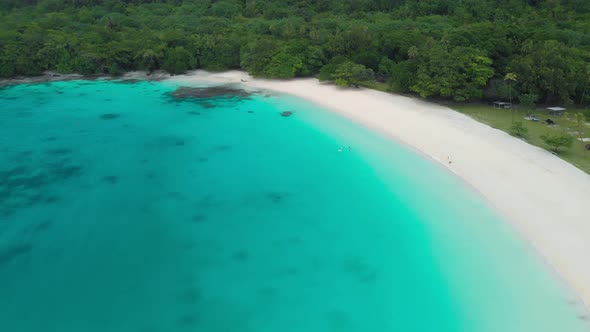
[{"x": 502, "y": 119}]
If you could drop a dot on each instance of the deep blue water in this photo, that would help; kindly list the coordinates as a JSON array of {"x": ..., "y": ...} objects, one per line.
[{"x": 123, "y": 208}]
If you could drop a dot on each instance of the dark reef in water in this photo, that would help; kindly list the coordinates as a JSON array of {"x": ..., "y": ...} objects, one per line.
[
  {"x": 26, "y": 185},
  {"x": 210, "y": 92},
  {"x": 205, "y": 98},
  {"x": 128, "y": 81},
  {"x": 10, "y": 253},
  {"x": 205, "y": 104},
  {"x": 59, "y": 151},
  {"x": 110, "y": 116},
  {"x": 165, "y": 142},
  {"x": 175, "y": 195},
  {"x": 110, "y": 179},
  {"x": 198, "y": 218},
  {"x": 23, "y": 155},
  {"x": 240, "y": 256},
  {"x": 43, "y": 226},
  {"x": 190, "y": 296},
  {"x": 360, "y": 270},
  {"x": 62, "y": 170},
  {"x": 276, "y": 197},
  {"x": 220, "y": 148},
  {"x": 49, "y": 139},
  {"x": 187, "y": 320}
]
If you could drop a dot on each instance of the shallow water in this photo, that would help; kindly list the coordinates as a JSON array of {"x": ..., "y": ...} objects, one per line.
[{"x": 124, "y": 208}]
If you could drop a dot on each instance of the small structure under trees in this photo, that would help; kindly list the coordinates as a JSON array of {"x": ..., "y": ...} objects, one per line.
[
  {"x": 556, "y": 111},
  {"x": 502, "y": 105}
]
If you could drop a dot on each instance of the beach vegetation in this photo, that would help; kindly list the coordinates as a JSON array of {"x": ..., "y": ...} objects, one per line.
[
  {"x": 580, "y": 122},
  {"x": 528, "y": 101},
  {"x": 458, "y": 73},
  {"x": 518, "y": 129},
  {"x": 557, "y": 141},
  {"x": 565, "y": 125},
  {"x": 510, "y": 78},
  {"x": 348, "y": 74},
  {"x": 257, "y": 55},
  {"x": 178, "y": 60},
  {"x": 444, "y": 49},
  {"x": 284, "y": 65}
]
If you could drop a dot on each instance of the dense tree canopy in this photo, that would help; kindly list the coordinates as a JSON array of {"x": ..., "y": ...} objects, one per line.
[{"x": 456, "y": 49}]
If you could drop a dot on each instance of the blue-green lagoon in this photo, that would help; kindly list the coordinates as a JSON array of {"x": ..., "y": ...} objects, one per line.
[{"x": 126, "y": 207}]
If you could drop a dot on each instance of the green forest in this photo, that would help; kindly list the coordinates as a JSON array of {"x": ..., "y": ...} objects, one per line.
[{"x": 460, "y": 50}]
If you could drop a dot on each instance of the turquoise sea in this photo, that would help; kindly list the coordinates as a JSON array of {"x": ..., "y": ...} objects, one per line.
[{"x": 125, "y": 208}]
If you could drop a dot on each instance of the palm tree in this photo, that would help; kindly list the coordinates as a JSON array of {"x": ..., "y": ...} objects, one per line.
[{"x": 510, "y": 77}]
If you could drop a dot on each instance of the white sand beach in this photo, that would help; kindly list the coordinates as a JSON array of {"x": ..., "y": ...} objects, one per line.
[{"x": 545, "y": 198}]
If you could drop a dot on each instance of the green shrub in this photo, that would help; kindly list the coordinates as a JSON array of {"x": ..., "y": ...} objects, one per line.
[
  {"x": 518, "y": 129},
  {"x": 557, "y": 141}
]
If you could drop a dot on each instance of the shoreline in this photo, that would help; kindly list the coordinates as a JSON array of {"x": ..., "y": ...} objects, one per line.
[
  {"x": 543, "y": 197},
  {"x": 50, "y": 76}
]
